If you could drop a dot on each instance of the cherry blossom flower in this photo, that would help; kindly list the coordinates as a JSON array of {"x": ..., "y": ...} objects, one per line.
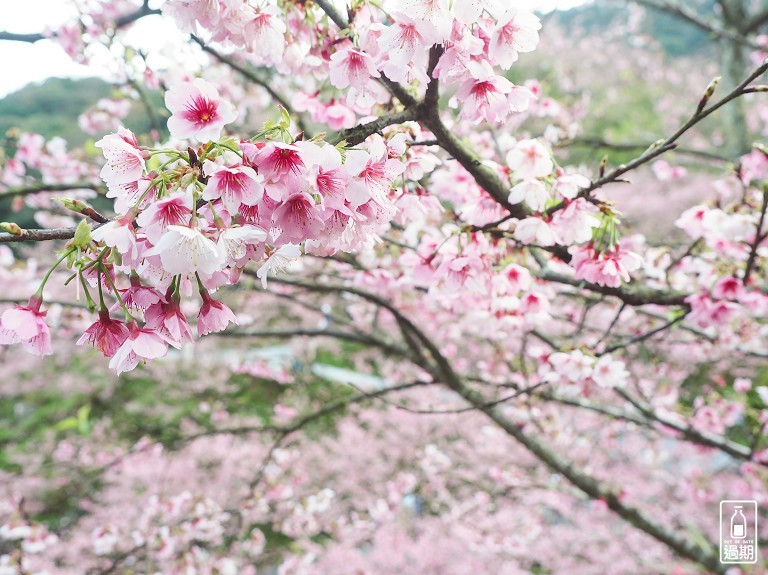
[
  {"x": 516, "y": 31},
  {"x": 233, "y": 242},
  {"x": 141, "y": 344},
  {"x": 406, "y": 41},
  {"x": 297, "y": 218},
  {"x": 453, "y": 65},
  {"x": 664, "y": 171},
  {"x": 197, "y": 111},
  {"x": 484, "y": 96},
  {"x": 214, "y": 316},
  {"x": 692, "y": 221},
  {"x": 26, "y": 325},
  {"x": 530, "y": 159},
  {"x": 264, "y": 34},
  {"x": 609, "y": 268},
  {"x": 139, "y": 296},
  {"x": 575, "y": 223},
  {"x": 173, "y": 210},
  {"x": 373, "y": 173},
  {"x": 128, "y": 195},
  {"x": 350, "y": 67},
  {"x": 185, "y": 250},
  {"x": 532, "y": 192},
  {"x": 125, "y": 161},
  {"x": 609, "y": 373},
  {"x": 535, "y": 231},
  {"x": 106, "y": 334},
  {"x": 436, "y": 12},
  {"x": 282, "y": 167},
  {"x": 568, "y": 185},
  {"x": 730, "y": 288},
  {"x": 469, "y": 11},
  {"x": 235, "y": 185},
  {"x": 742, "y": 384},
  {"x": 168, "y": 321},
  {"x": 277, "y": 261},
  {"x": 121, "y": 235}
]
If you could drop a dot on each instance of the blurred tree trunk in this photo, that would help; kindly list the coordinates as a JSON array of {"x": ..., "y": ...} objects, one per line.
[{"x": 734, "y": 64}]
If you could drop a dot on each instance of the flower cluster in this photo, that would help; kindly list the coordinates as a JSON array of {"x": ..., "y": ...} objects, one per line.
[
  {"x": 196, "y": 218},
  {"x": 577, "y": 374},
  {"x": 479, "y": 39}
]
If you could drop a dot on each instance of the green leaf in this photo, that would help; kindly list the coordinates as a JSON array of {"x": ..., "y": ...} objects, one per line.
[{"x": 82, "y": 234}]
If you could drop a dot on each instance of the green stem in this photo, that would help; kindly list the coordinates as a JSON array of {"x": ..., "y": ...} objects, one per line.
[
  {"x": 102, "y": 305},
  {"x": 39, "y": 291},
  {"x": 128, "y": 316},
  {"x": 88, "y": 298}
]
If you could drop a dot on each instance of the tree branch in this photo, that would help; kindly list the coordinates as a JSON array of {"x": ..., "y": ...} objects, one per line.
[
  {"x": 121, "y": 22},
  {"x": 629, "y": 147},
  {"x": 659, "y": 148},
  {"x": 41, "y": 235},
  {"x": 443, "y": 371},
  {"x": 756, "y": 22},
  {"x": 696, "y": 20},
  {"x": 633, "y": 295},
  {"x": 359, "y": 133},
  {"x": 42, "y": 187}
]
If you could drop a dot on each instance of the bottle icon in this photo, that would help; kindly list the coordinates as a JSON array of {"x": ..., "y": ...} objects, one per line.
[{"x": 738, "y": 524}]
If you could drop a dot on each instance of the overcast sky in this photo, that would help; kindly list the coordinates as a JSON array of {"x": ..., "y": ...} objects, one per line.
[{"x": 24, "y": 63}]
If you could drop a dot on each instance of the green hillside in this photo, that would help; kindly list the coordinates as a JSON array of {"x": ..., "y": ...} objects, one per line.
[{"x": 51, "y": 108}]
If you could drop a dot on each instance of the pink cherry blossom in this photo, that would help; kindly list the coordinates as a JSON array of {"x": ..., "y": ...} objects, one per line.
[
  {"x": 141, "y": 344},
  {"x": 26, "y": 325},
  {"x": 535, "y": 231},
  {"x": 264, "y": 33},
  {"x": 121, "y": 235},
  {"x": 125, "y": 161},
  {"x": 185, "y": 250},
  {"x": 197, "y": 111},
  {"x": 469, "y": 12},
  {"x": 373, "y": 173},
  {"x": 532, "y": 192},
  {"x": 106, "y": 334},
  {"x": 214, "y": 316},
  {"x": 139, "y": 296},
  {"x": 484, "y": 96},
  {"x": 297, "y": 218},
  {"x": 235, "y": 185},
  {"x": 405, "y": 40},
  {"x": 277, "y": 261},
  {"x": 168, "y": 321},
  {"x": 609, "y": 373},
  {"x": 436, "y": 12},
  {"x": 606, "y": 269},
  {"x": 516, "y": 31},
  {"x": 233, "y": 242},
  {"x": 282, "y": 167},
  {"x": 576, "y": 222},
  {"x": 453, "y": 65},
  {"x": 350, "y": 67},
  {"x": 173, "y": 210},
  {"x": 569, "y": 185},
  {"x": 530, "y": 159}
]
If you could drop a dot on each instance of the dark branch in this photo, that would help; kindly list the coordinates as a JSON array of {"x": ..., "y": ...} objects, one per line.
[
  {"x": 42, "y": 187},
  {"x": 39, "y": 235},
  {"x": 121, "y": 22},
  {"x": 702, "y": 23},
  {"x": 359, "y": 133},
  {"x": 659, "y": 148}
]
